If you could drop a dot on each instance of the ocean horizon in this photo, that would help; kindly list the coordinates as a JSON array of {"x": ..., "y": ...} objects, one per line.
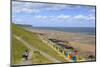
[{"x": 80, "y": 30}]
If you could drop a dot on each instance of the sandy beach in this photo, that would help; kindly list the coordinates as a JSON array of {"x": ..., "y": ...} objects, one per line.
[{"x": 84, "y": 43}]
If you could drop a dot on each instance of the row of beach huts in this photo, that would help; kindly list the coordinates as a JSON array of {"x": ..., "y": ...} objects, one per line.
[{"x": 66, "y": 49}]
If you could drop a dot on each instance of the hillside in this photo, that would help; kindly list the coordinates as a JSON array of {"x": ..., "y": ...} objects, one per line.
[
  {"x": 32, "y": 39},
  {"x": 24, "y": 25}
]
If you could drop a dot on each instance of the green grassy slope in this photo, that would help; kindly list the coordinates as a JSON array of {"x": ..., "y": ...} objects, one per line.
[
  {"x": 17, "y": 50},
  {"x": 38, "y": 58},
  {"x": 33, "y": 39}
]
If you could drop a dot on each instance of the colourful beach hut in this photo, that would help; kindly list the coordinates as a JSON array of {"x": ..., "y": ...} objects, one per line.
[
  {"x": 69, "y": 55},
  {"x": 74, "y": 59},
  {"x": 76, "y": 56}
]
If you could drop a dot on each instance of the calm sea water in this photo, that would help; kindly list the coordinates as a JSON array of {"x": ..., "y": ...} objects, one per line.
[{"x": 81, "y": 30}]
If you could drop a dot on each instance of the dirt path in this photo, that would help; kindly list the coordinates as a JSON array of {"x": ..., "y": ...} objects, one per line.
[
  {"x": 34, "y": 49},
  {"x": 26, "y": 62}
]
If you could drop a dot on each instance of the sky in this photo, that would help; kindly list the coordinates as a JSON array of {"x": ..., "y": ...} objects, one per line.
[{"x": 53, "y": 15}]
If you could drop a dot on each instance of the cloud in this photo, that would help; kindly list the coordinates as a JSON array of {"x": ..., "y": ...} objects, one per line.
[
  {"x": 46, "y": 13},
  {"x": 26, "y": 7},
  {"x": 58, "y": 18},
  {"x": 80, "y": 18},
  {"x": 29, "y": 7},
  {"x": 63, "y": 16},
  {"x": 45, "y": 6},
  {"x": 40, "y": 16},
  {"x": 56, "y": 7},
  {"x": 26, "y": 10}
]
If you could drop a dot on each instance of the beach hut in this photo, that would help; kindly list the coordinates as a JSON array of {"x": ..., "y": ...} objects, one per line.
[
  {"x": 74, "y": 58},
  {"x": 69, "y": 55}
]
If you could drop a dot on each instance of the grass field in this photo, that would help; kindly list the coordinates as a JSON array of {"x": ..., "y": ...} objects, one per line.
[
  {"x": 33, "y": 39},
  {"x": 39, "y": 58},
  {"x": 17, "y": 50}
]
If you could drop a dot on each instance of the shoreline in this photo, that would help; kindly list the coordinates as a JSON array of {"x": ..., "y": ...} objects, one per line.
[
  {"x": 69, "y": 30},
  {"x": 45, "y": 30},
  {"x": 85, "y": 43}
]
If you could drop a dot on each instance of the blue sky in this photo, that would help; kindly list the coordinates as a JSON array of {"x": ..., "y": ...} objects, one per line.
[{"x": 53, "y": 15}]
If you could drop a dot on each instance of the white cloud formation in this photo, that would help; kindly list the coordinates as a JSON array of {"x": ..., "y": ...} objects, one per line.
[
  {"x": 36, "y": 8},
  {"x": 24, "y": 7},
  {"x": 64, "y": 18},
  {"x": 79, "y": 16},
  {"x": 30, "y": 7},
  {"x": 83, "y": 18}
]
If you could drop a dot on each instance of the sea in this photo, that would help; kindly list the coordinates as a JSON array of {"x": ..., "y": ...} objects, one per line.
[{"x": 80, "y": 30}]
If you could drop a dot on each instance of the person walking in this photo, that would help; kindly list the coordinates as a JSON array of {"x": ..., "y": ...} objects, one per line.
[{"x": 26, "y": 55}]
